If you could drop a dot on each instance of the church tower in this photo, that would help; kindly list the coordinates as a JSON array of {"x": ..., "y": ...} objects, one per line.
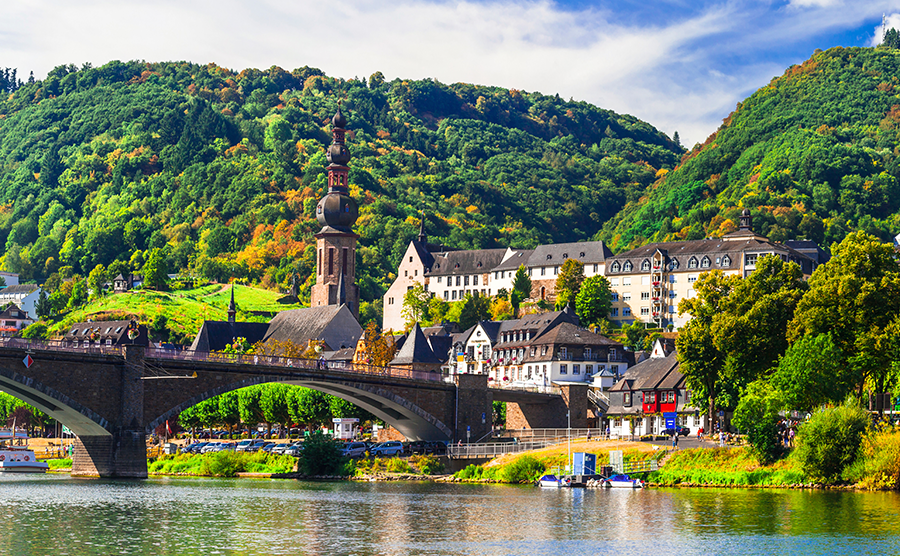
[{"x": 336, "y": 242}]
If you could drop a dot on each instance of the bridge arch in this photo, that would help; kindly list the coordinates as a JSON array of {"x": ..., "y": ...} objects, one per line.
[
  {"x": 410, "y": 419},
  {"x": 79, "y": 419}
]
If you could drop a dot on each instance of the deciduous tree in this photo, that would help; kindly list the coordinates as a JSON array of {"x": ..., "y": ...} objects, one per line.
[
  {"x": 594, "y": 301},
  {"x": 568, "y": 283}
]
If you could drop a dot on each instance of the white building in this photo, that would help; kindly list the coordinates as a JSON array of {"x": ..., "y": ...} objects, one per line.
[{"x": 25, "y": 296}]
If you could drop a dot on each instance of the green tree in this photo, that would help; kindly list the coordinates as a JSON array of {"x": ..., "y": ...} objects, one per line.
[
  {"x": 43, "y": 308},
  {"x": 568, "y": 283},
  {"x": 96, "y": 279},
  {"x": 757, "y": 414},
  {"x": 155, "y": 271},
  {"x": 36, "y": 331},
  {"x": 594, "y": 301},
  {"x": 79, "y": 295},
  {"x": 830, "y": 440},
  {"x": 229, "y": 410},
  {"x": 320, "y": 455},
  {"x": 521, "y": 289},
  {"x": 309, "y": 406},
  {"x": 855, "y": 297},
  {"x": 811, "y": 373},
  {"x": 891, "y": 38},
  {"x": 475, "y": 308},
  {"x": 415, "y": 304},
  {"x": 273, "y": 401}
]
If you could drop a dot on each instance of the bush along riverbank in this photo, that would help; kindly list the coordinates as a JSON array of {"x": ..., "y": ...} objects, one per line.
[{"x": 222, "y": 464}]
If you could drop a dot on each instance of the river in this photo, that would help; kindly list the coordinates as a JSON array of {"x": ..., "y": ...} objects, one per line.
[{"x": 56, "y": 515}]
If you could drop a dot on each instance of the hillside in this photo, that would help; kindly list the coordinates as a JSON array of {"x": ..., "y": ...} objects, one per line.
[
  {"x": 184, "y": 310},
  {"x": 222, "y": 169},
  {"x": 813, "y": 155}
]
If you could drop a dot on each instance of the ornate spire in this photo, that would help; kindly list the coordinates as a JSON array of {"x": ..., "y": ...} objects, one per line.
[
  {"x": 337, "y": 209},
  {"x": 232, "y": 311}
]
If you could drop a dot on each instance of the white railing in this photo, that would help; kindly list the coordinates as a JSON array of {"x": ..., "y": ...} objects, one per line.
[
  {"x": 537, "y": 389},
  {"x": 494, "y": 449},
  {"x": 599, "y": 398},
  {"x": 558, "y": 435}
]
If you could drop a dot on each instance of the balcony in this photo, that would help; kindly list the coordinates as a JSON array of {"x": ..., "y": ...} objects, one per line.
[{"x": 656, "y": 283}]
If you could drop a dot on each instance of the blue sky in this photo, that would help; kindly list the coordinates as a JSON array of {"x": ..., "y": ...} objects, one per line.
[{"x": 681, "y": 65}]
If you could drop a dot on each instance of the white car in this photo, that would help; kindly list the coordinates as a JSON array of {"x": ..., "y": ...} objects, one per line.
[
  {"x": 354, "y": 449},
  {"x": 391, "y": 448}
]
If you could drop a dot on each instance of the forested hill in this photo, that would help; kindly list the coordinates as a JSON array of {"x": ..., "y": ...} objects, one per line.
[
  {"x": 221, "y": 170},
  {"x": 813, "y": 155}
]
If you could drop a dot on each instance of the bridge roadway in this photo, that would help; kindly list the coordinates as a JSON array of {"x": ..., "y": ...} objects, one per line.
[{"x": 112, "y": 397}]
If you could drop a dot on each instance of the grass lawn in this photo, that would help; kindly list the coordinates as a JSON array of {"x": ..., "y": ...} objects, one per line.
[{"x": 185, "y": 309}]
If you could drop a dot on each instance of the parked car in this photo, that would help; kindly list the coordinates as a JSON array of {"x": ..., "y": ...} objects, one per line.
[
  {"x": 250, "y": 446},
  {"x": 280, "y": 448},
  {"x": 354, "y": 449},
  {"x": 681, "y": 431},
  {"x": 212, "y": 447},
  {"x": 294, "y": 450},
  {"x": 390, "y": 448},
  {"x": 415, "y": 447},
  {"x": 196, "y": 447},
  {"x": 436, "y": 447}
]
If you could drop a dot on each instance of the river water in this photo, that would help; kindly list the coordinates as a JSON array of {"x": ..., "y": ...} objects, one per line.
[{"x": 57, "y": 515}]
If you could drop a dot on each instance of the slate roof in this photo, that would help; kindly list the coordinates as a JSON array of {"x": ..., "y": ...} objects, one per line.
[
  {"x": 440, "y": 346},
  {"x": 477, "y": 261},
  {"x": 115, "y": 330},
  {"x": 333, "y": 324},
  {"x": 570, "y": 334},
  {"x": 24, "y": 289},
  {"x": 215, "y": 335},
  {"x": 416, "y": 349},
  {"x": 14, "y": 312},
  {"x": 557, "y": 253},
  {"x": 517, "y": 259},
  {"x": 647, "y": 375}
]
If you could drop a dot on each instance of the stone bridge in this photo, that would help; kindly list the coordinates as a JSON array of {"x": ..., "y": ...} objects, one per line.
[{"x": 112, "y": 397}]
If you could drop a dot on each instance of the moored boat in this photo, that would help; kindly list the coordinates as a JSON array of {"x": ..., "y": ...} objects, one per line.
[
  {"x": 16, "y": 456},
  {"x": 552, "y": 481},
  {"x": 623, "y": 481}
]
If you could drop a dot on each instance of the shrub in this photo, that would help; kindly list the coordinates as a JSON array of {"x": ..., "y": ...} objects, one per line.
[
  {"x": 830, "y": 440},
  {"x": 878, "y": 464},
  {"x": 427, "y": 465},
  {"x": 757, "y": 415},
  {"x": 60, "y": 463},
  {"x": 525, "y": 469},
  {"x": 397, "y": 465},
  {"x": 221, "y": 464},
  {"x": 471, "y": 471},
  {"x": 320, "y": 456}
]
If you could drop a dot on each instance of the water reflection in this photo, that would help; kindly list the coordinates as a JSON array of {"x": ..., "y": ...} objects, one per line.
[{"x": 57, "y": 515}]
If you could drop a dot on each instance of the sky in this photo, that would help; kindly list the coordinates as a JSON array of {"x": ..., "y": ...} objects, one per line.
[{"x": 681, "y": 65}]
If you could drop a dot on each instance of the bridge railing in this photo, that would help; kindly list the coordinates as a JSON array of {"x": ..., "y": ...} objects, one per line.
[
  {"x": 494, "y": 449},
  {"x": 218, "y": 357},
  {"x": 538, "y": 389},
  {"x": 292, "y": 363}
]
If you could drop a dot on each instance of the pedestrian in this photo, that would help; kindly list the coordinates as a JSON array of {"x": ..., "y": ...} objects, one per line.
[
  {"x": 675, "y": 441},
  {"x": 607, "y": 432},
  {"x": 791, "y": 439},
  {"x": 700, "y": 434},
  {"x": 721, "y": 439},
  {"x": 589, "y": 434}
]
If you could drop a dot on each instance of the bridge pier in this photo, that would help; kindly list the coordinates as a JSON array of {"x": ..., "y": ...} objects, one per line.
[
  {"x": 474, "y": 409},
  {"x": 124, "y": 453},
  {"x": 551, "y": 415}
]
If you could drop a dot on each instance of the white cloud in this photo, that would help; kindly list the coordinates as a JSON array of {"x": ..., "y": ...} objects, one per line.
[
  {"x": 891, "y": 21},
  {"x": 686, "y": 72}
]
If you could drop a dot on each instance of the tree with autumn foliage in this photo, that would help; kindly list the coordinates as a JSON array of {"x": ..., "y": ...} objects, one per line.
[{"x": 378, "y": 347}]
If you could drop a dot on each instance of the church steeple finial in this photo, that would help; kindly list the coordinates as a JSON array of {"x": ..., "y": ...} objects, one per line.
[
  {"x": 422, "y": 237},
  {"x": 232, "y": 311}
]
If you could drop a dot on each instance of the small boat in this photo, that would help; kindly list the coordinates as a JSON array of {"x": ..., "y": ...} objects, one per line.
[
  {"x": 623, "y": 481},
  {"x": 552, "y": 481},
  {"x": 16, "y": 456}
]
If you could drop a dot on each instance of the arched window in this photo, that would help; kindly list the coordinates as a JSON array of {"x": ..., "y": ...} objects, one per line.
[
  {"x": 705, "y": 263},
  {"x": 543, "y": 292},
  {"x": 628, "y": 266},
  {"x": 645, "y": 266},
  {"x": 692, "y": 263},
  {"x": 726, "y": 261},
  {"x": 616, "y": 267}
]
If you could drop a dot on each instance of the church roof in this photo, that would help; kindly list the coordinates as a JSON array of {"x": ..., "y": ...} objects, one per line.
[
  {"x": 416, "y": 349},
  {"x": 478, "y": 261},
  {"x": 333, "y": 324},
  {"x": 517, "y": 259},
  {"x": 215, "y": 335}
]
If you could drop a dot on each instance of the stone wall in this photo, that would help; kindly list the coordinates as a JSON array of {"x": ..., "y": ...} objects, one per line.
[{"x": 551, "y": 415}]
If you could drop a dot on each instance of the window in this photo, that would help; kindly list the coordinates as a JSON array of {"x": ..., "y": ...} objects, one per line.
[
  {"x": 626, "y": 399},
  {"x": 475, "y": 280},
  {"x": 595, "y": 268},
  {"x": 626, "y": 281},
  {"x": 533, "y": 351},
  {"x": 406, "y": 273},
  {"x": 705, "y": 263},
  {"x": 453, "y": 294},
  {"x": 614, "y": 369},
  {"x": 614, "y": 282},
  {"x": 563, "y": 353},
  {"x": 626, "y": 311},
  {"x": 543, "y": 350},
  {"x": 673, "y": 279},
  {"x": 457, "y": 280},
  {"x": 627, "y": 267},
  {"x": 614, "y": 312},
  {"x": 750, "y": 260},
  {"x": 645, "y": 296},
  {"x": 616, "y": 267},
  {"x": 410, "y": 259},
  {"x": 563, "y": 370},
  {"x": 626, "y": 296},
  {"x": 693, "y": 263},
  {"x": 673, "y": 264},
  {"x": 465, "y": 280},
  {"x": 502, "y": 274},
  {"x": 692, "y": 278},
  {"x": 439, "y": 279},
  {"x": 671, "y": 309},
  {"x": 555, "y": 270},
  {"x": 576, "y": 369},
  {"x": 446, "y": 295},
  {"x": 645, "y": 311},
  {"x": 645, "y": 266},
  {"x": 645, "y": 280},
  {"x": 543, "y": 270},
  {"x": 726, "y": 261},
  {"x": 529, "y": 272},
  {"x": 671, "y": 396},
  {"x": 673, "y": 294},
  {"x": 617, "y": 422},
  {"x": 588, "y": 369},
  {"x": 587, "y": 353},
  {"x": 652, "y": 397},
  {"x": 614, "y": 296}
]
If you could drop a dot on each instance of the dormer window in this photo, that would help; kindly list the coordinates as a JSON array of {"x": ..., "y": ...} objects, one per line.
[
  {"x": 565, "y": 255},
  {"x": 549, "y": 257},
  {"x": 645, "y": 266},
  {"x": 616, "y": 267},
  {"x": 726, "y": 261},
  {"x": 705, "y": 263},
  {"x": 581, "y": 254},
  {"x": 673, "y": 264},
  {"x": 628, "y": 267},
  {"x": 692, "y": 263}
]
